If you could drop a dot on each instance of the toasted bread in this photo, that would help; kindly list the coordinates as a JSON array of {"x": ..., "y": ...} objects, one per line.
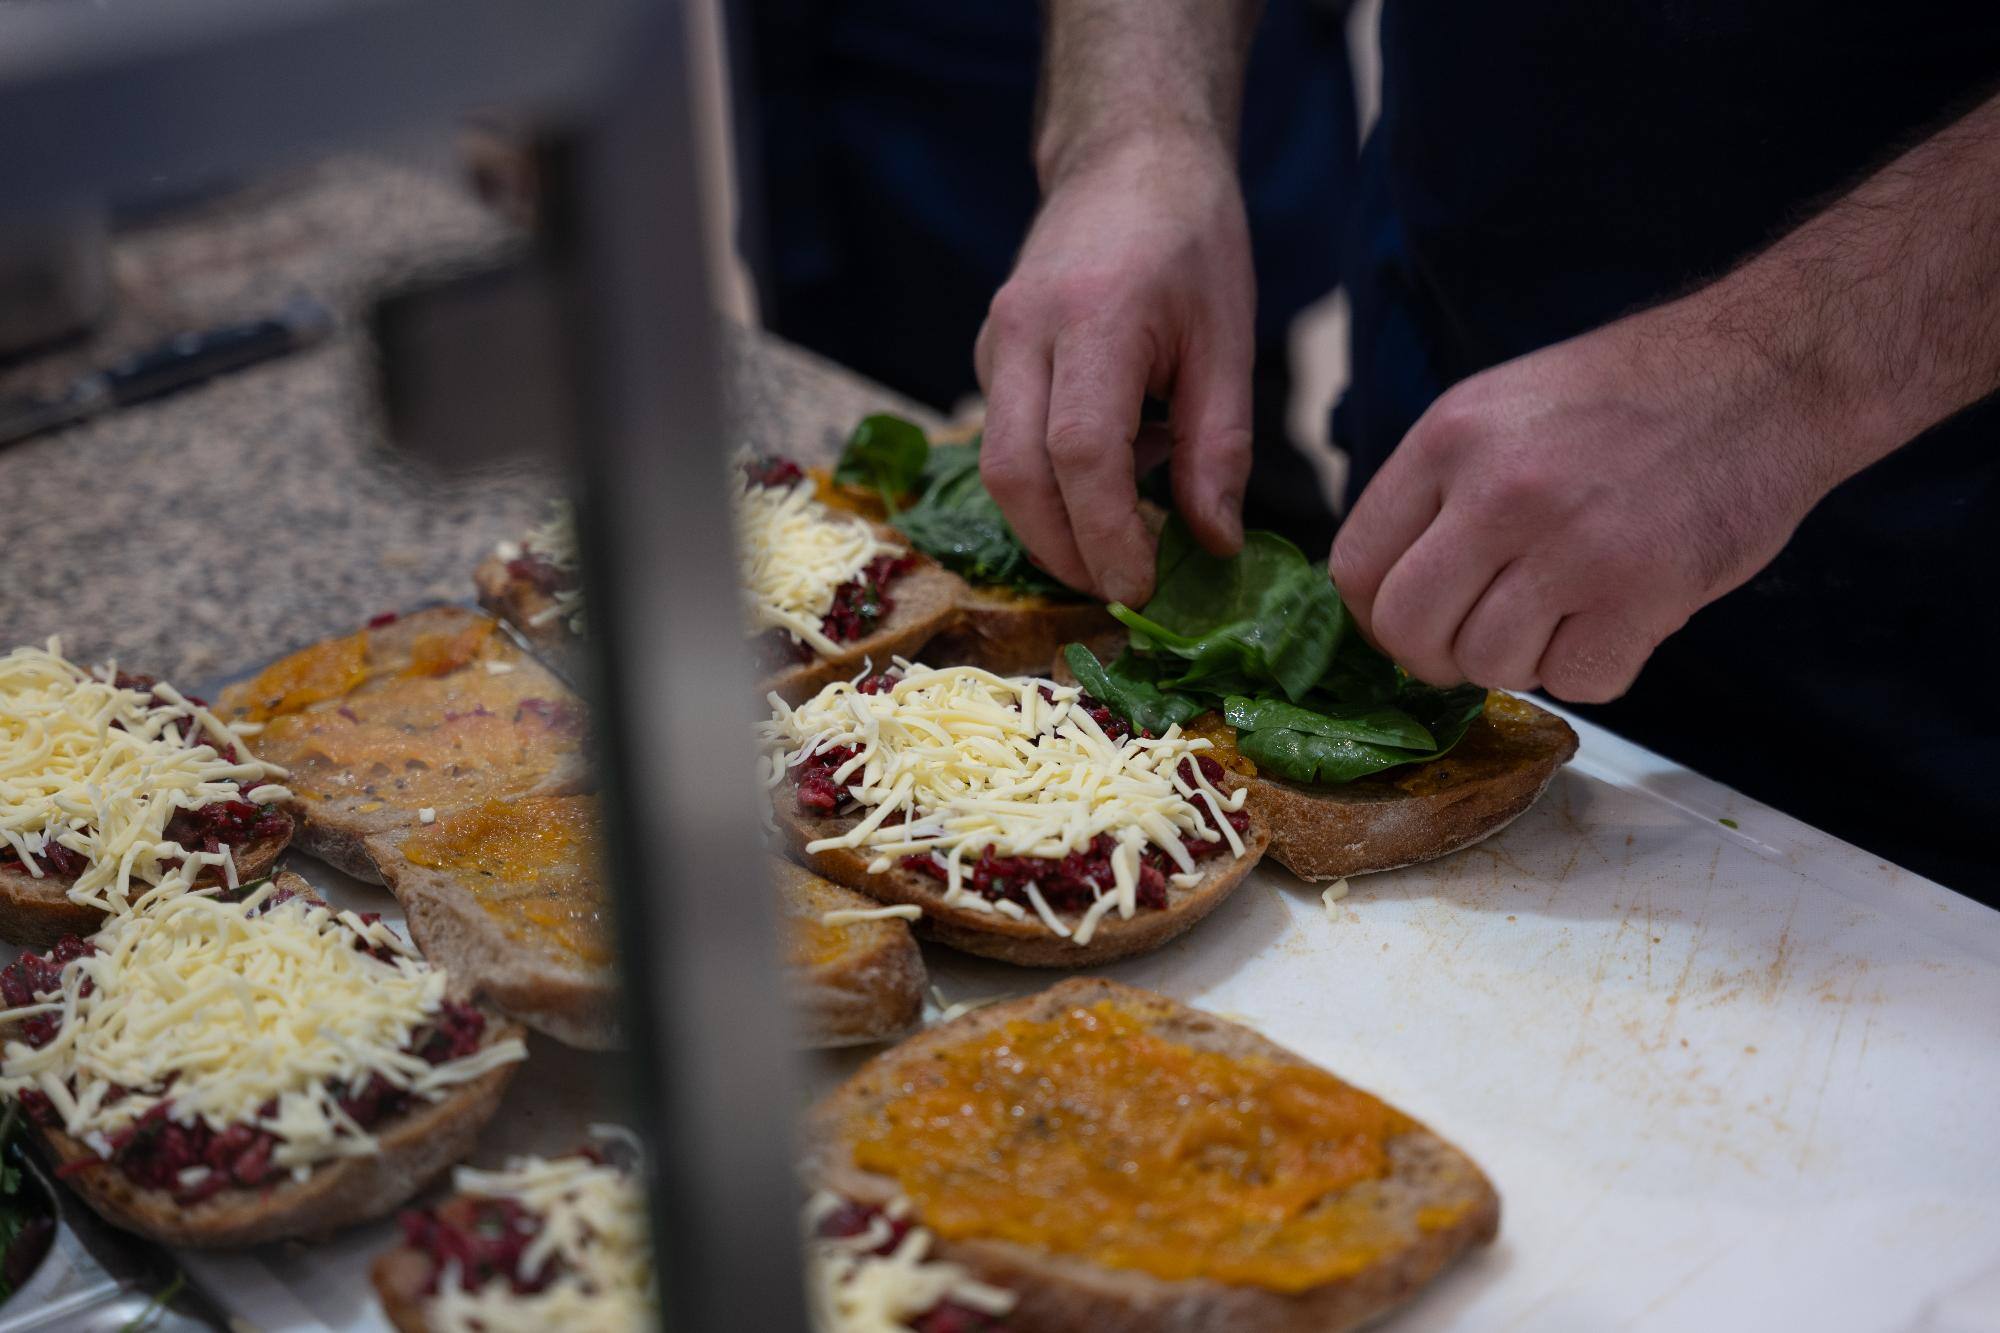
[
  {"x": 35, "y": 913},
  {"x": 1024, "y": 940},
  {"x": 532, "y": 613},
  {"x": 1433, "y": 1205},
  {"x": 1505, "y": 762},
  {"x": 1015, "y": 633},
  {"x": 509, "y": 898},
  {"x": 436, "y": 710},
  {"x": 851, "y": 984},
  {"x": 402, "y": 1279},
  {"x": 925, "y": 604},
  {"x": 415, "y": 1148}
]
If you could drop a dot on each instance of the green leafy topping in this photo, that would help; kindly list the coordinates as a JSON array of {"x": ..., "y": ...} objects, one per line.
[
  {"x": 885, "y": 453},
  {"x": 1263, "y": 637}
]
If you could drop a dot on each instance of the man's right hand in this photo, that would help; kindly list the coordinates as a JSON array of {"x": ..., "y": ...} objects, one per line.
[{"x": 1134, "y": 280}]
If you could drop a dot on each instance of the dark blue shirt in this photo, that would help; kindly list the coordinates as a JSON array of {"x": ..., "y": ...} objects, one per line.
[{"x": 1544, "y": 167}]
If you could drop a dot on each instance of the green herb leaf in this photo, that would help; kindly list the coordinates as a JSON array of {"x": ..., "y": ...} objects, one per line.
[
  {"x": 1375, "y": 726},
  {"x": 886, "y": 453},
  {"x": 956, "y": 523},
  {"x": 1125, "y": 688}
]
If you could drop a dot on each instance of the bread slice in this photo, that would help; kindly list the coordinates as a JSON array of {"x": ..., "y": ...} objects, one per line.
[
  {"x": 925, "y": 604},
  {"x": 1433, "y": 1206},
  {"x": 532, "y": 613},
  {"x": 1024, "y": 941},
  {"x": 1507, "y": 759},
  {"x": 529, "y": 935},
  {"x": 435, "y": 710},
  {"x": 1014, "y": 633},
  {"x": 850, "y": 984},
  {"x": 400, "y": 1277},
  {"x": 35, "y": 913},
  {"x": 415, "y": 1149}
]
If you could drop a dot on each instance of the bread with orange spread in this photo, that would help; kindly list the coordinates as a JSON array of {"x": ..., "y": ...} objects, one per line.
[
  {"x": 856, "y": 978},
  {"x": 509, "y": 896},
  {"x": 437, "y": 710},
  {"x": 1123, "y": 1163}
]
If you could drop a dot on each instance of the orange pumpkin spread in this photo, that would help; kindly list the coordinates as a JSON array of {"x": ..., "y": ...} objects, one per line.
[
  {"x": 532, "y": 864},
  {"x": 1090, "y": 1135}
]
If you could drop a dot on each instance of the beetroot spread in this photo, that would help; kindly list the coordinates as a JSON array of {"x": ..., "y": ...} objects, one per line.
[
  {"x": 852, "y": 1219},
  {"x": 486, "y": 1239},
  {"x": 773, "y": 470},
  {"x": 153, "y": 1151},
  {"x": 542, "y": 573}
]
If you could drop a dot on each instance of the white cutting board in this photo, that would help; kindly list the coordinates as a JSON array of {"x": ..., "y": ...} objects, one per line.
[{"x": 1724, "y": 1079}]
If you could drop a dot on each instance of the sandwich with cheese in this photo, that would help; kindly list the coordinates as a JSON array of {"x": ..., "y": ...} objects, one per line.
[
  {"x": 1012, "y": 617},
  {"x": 222, "y": 1069},
  {"x": 413, "y": 716},
  {"x": 541, "y": 1244},
  {"x": 1115, "y": 1160},
  {"x": 1354, "y": 765},
  {"x": 536, "y": 585},
  {"x": 1021, "y": 818},
  {"x": 827, "y": 593},
  {"x": 117, "y": 787}
]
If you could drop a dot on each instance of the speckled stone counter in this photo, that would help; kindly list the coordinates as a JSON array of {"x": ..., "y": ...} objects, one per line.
[{"x": 208, "y": 532}]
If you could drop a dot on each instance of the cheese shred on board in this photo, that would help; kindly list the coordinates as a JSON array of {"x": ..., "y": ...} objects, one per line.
[
  {"x": 100, "y": 769},
  {"x": 951, "y": 763},
  {"x": 238, "y": 1016},
  {"x": 795, "y": 554},
  {"x": 852, "y": 1288},
  {"x": 554, "y": 542},
  {"x": 591, "y": 1225}
]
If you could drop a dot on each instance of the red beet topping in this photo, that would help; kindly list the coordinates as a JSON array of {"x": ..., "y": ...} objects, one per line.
[
  {"x": 880, "y": 683},
  {"x": 153, "y": 1150},
  {"x": 851, "y": 1219},
  {"x": 384, "y": 618},
  {"x": 863, "y": 602},
  {"x": 773, "y": 470},
  {"x": 818, "y": 794},
  {"x": 543, "y": 573},
  {"x": 485, "y": 1239}
]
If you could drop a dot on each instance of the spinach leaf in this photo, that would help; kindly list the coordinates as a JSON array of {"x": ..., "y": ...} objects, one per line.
[
  {"x": 1313, "y": 748},
  {"x": 887, "y": 453},
  {"x": 1378, "y": 726},
  {"x": 1128, "y": 689},
  {"x": 956, "y": 523}
]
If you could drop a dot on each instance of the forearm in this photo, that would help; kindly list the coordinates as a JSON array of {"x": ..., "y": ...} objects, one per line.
[
  {"x": 1118, "y": 69},
  {"x": 1880, "y": 316}
]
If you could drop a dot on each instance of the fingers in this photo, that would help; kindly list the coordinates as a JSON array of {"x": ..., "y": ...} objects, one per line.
[
  {"x": 1594, "y": 656},
  {"x": 1392, "y": 513},
  {"x": 1428, "y": 593},
  {"x": 1211, "y": 419},
  {"x": 1013, "y": 460},
  {"x": 1501, "y": 642},
  {"x": 1098, "y": 385}
]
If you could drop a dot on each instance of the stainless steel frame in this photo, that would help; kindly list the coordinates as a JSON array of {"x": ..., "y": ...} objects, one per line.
[{"x": 97, "y": 102}]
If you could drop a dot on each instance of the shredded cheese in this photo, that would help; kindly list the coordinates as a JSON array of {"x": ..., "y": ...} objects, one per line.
[
  {"x": 554, "y": 541},
  {"x": 1330, "y": 895},
  {"x": 950, "y": 763},
  {"x": 847, "y": 916},
  {"x": 225, "y": 1011},
  {"x": 592, "y": 1227},
  {"x": 101, "y": 770},
  {"x": 795, "y": 553},
  {"x": 850, "y": 1289}
]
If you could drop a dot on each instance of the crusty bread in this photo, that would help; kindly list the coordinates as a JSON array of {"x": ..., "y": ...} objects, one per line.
[
  {"x": 35, "y": 913},
  {"x": 340, "y": 807},
  {"x": 926, "y": 602},
  {"x": 850, "y": 984},
  {"x": 1061, "y": 1293},
  {"x": 1025, "y": 941},
  {"x": 1501, "y": 767},
  {"x": 400, "y": 1277},
  {"x": 531, "y": 612},
  {"x": 528, "y": 973},
  {"x": 1013, "y": 633},
  {"x": 416, "y": 1147}
]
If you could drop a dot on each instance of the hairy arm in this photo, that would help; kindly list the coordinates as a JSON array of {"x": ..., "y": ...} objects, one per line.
[
  {"x": 1134, "y": 279},
  {"x": 1551, "y": 520}
]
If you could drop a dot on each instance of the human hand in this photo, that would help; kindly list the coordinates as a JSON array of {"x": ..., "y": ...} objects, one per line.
[
  {"x": 1550, "y": 521},
  {"x": 1135, "y": 279}
]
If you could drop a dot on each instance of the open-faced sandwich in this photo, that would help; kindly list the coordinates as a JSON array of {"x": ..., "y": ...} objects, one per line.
[
  {"x": 826, "y": 593},
  {"x": 543, "y": 1244},
  {"x": 536, "y": 585},
  {"x": 1354, "y": 765},
  {"x": 223, "y": 1069},
  {"x": 1012, "y": 617},
  {"x": 855, "y": 972},
  {"x": 1117, "y": 1161},
  {"x": 1023, "y": 819},
  {"x": 114, "y": 787},
  {"x": 413, "y": 716}
]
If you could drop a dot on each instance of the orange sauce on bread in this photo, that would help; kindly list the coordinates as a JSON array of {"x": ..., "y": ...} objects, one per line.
[{"x": 533, "y": 864}]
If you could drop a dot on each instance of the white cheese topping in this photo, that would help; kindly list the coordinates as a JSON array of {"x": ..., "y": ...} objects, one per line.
[
  {"x": 1330, "y": 895},
  {"x": 795, "y": 554},
  {"x": 592, "y": 1226},
  {"x": 555, "y": 542},
  {"x": 224, "y": 1011},
  {"x": 847, "y": 916},
  {"x": 101, "y": 770},
  {"x": 949, "y": 763},
  {"x": 852, "y": 1290}
]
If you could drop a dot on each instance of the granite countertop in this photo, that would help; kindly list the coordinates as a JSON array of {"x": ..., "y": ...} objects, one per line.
[{"x": 208, "y": 532}]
